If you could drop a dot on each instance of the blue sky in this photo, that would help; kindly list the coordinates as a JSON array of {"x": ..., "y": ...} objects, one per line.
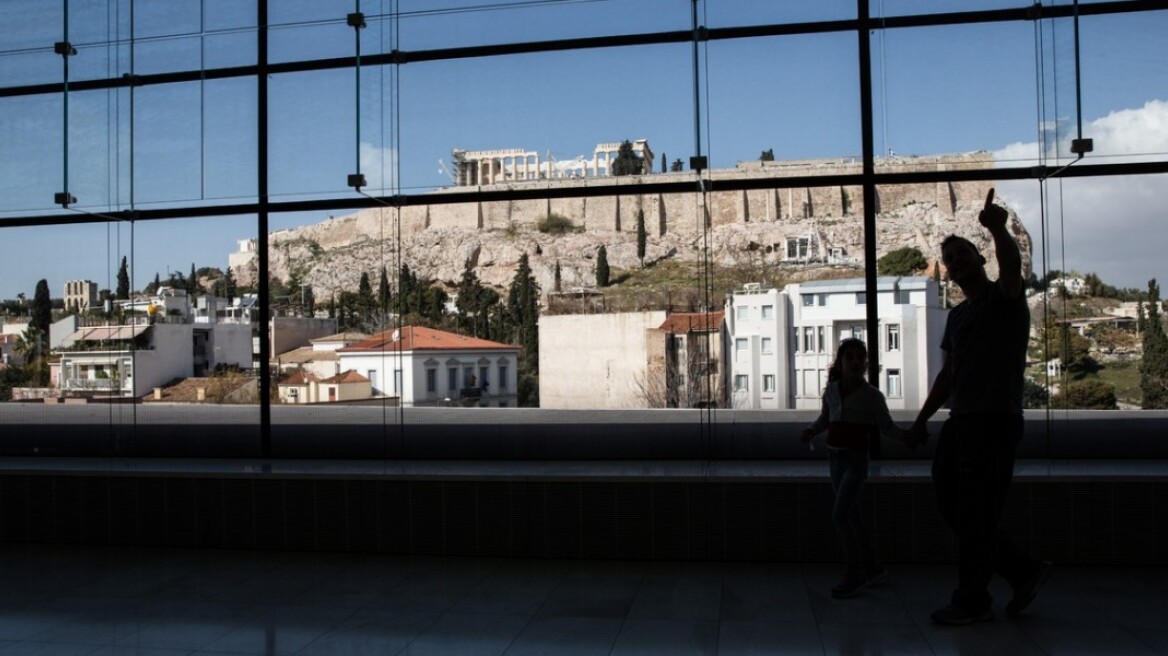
[{"x": 938, "y": 90}]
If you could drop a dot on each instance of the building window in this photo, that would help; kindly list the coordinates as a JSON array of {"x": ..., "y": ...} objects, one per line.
[
  {"x": 768, "y": 382},
  {"x": 452, "y": 378},
  {"x": 893, "y": 337},
  {"x": 795, "y": 339},
  {"x": 768, "y": 312},
  {"x": 894, "y": 382},
  {"x": 810, "y": 382},
  {"x": 808, "y": 339},
  {"x": 861, "y": 298},
  {"x": 767, "y": 345},
  {"x": 741, "y": 345},
  {"x": 468, "y": 377},
  {"x": 821, "y": 339},
  {"x": 900, "y": 296},
  {"x": 502, "y": 376},
  {"x": 741, "y": 382},
  {"x": 743, "y": 313},
  {"x": 432, "y": 380},
  {"x": 484, "y": 382}
]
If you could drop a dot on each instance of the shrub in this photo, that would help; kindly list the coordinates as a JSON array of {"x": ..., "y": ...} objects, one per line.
[{"x": 557, "y": 224}]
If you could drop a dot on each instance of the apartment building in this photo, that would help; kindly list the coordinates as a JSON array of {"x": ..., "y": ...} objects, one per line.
[{"x": 780, "y": 344}]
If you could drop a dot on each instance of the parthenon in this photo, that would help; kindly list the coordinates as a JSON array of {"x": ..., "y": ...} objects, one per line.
[{"x": 491, "y": 167}]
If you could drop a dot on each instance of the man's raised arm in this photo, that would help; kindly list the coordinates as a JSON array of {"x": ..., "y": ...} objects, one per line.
[{"x": 994, "y": 217}]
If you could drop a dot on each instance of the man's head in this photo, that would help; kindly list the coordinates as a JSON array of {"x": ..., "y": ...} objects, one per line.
[{"x": 962, "y": 260}]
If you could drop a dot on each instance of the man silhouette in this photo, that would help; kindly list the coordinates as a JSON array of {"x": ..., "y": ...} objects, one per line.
[{"x": 984, "y": 344}]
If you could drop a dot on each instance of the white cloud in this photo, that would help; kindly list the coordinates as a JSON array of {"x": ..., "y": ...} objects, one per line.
[
  {"x": 379, "y": 165},
  {"x": 1113, "y": 226}
]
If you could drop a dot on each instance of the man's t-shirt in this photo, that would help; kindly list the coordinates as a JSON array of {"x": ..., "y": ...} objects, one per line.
[{"x": 986, "y": 341}]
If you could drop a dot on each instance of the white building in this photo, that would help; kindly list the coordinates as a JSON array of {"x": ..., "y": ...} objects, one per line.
[
  {"x": 600, "y": 360},
  {"x": 131, "y": 360},
  {"x": 423, "y": 366},
  {"x": 319, "y": 357},
  {"x": 781, "y": 344}
]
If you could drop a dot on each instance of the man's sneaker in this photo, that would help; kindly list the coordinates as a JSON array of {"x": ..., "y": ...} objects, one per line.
[
  {"x": 1024, "y": 594},
  {"x": 849, "y": 586},
  {"x": 956, "y": 615},
  {"x": 876, "y": 576}
]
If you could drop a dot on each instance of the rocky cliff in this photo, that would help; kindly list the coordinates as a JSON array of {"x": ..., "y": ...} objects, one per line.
[{"x": 756, "y": 226}]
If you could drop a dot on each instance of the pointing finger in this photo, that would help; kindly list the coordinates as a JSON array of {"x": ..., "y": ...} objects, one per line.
[{"x": 989, "y": 198}]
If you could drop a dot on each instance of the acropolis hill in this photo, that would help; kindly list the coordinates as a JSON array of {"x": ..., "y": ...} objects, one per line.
[{"x": 821, "y": 227}]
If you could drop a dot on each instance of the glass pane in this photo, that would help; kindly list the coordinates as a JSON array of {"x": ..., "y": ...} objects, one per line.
[
  {"x": 768, "y": 94},
  {"x": 939, "y": 90},
  {"x": 547, "y": 104},
  {"x": 28, "y": 24},
  {"x": 32, "y": 161},
  {"x": 312, "y": 126},
  {"x": 1123, "y": 81},
  {"x": 429, "y": 24},
  {"x": 734, "y": 13},
  {"x": 916, "y": 7}
]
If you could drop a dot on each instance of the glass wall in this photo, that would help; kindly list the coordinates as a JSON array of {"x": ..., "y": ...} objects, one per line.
[{"x": 388, "y": 218}]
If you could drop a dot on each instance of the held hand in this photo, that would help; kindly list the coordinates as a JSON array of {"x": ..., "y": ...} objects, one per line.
[
  {"x": 807, "y": 435},
  {"x": 992, "y": 216},
  {"x": 916, "y": 436}
]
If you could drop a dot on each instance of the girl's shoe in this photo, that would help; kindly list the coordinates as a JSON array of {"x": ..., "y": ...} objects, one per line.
[{"x": 849, "y": 586}]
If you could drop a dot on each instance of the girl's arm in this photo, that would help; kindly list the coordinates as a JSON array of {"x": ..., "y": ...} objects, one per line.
[
  {"x": 816, "y": 427},
  {"x": 888, "y": 428}
]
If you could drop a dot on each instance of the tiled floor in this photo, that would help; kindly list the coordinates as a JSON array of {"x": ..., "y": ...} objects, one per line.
[{"x": 62, "y": 601}]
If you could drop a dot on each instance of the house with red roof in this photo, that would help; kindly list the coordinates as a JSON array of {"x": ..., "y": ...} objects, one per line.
[{"x": 426, "y": 367}]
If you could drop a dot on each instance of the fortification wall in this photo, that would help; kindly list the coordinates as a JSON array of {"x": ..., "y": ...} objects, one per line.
[{"x": 681, "y": 214}]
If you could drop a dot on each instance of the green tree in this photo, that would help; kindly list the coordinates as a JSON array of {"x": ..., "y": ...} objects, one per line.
[
  {"x": 1154, "y": 365},
  {"x": 767, "y": 155},
  {"x": 1034, "y": 395},
  {"x": 365, "y": 303},
  {"x": 627, "y": 162},
  {"x": 558, "y": 286},
  {"x": 31, "y": 346},
  {"x": 383, "y": 295},
  {"x": 642, "y": 237},
  {"x": 1090, "y": 394},
  {"x": 474, "y": 303},
  {"x": 663, "y": 163},
  {"x": 677, "y": 166},
  {"x": 230, "y": 287},
  {"x": 193, "y": 281},
  {"x": 523, "y": 316},
  {"x": 902, "y": 262},
  {"x": 1073, "y": 349},
  {"x": 602, "y": 271},
  {"x": 123, "y": 288},
  {"x": 41, "y": 314}
]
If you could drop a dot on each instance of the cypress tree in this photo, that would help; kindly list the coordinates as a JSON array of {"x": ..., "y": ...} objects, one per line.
[
  {"x": 41, "y": 314},
  {"x": 557, "y": 277},
  {"x": 123, "y": 289},
  {"x": 383, "y": 291},
  {"x": 602, "y": 271},
  {"x": 642, "y": 237},
  {"x": 1154, "y": 365}
]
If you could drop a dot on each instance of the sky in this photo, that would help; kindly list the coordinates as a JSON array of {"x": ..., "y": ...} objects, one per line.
[{"x": 1004, "y": 89}]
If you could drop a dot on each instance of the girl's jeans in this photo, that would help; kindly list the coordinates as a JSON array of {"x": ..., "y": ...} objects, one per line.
[{"x": 849, "y": 471}]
